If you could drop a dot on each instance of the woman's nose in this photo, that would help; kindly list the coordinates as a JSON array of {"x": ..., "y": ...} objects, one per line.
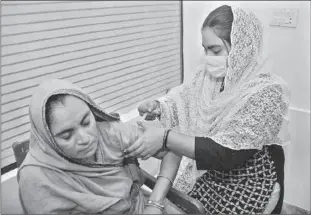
[{"x": 82, "y": 137}]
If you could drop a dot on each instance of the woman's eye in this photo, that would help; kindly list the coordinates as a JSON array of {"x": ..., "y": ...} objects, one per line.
[
  {"x": 86, "y": 123},
  {"x": 216, "y": 51},
  {"x": 66, "y": 136}
]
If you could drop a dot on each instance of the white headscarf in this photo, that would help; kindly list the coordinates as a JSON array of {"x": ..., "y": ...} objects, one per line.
[{"x": 249, "y": 113}]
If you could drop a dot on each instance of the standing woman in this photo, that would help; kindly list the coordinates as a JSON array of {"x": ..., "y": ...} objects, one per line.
[{"x": 230, "y": 123}]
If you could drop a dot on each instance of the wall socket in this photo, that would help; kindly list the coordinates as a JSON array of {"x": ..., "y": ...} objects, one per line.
[{"x": 285, "y": 17}]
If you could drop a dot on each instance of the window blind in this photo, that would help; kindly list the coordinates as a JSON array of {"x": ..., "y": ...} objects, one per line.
[{"x": 119, "y": 52}]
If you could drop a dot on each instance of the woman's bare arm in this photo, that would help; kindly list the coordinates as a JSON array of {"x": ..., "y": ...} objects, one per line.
[{"x": 169, "y": 167}]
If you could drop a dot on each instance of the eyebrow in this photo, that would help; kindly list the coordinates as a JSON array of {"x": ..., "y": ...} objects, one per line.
[{"x": 71, "y": 129}]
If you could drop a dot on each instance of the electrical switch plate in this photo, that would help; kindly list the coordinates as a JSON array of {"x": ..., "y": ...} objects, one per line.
[{"x": 285, "y": 17}]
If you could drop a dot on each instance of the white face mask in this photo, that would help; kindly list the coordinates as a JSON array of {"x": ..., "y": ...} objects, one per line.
[{"x": 216, "y": 65}]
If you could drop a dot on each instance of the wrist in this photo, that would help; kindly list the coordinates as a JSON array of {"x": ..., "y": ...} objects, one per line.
[
  {"x": 165, "y": 178},
  {"x": 154, "y": 209},
  {"x": 155, "y": 204},
  {"x": 157, "y": 199},
  {"x": 165, "y": 137}
]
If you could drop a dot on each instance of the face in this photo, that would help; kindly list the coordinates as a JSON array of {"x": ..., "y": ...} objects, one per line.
[
  {"x": 74, "y": 128},
  {"x": 213, "y": 45}
]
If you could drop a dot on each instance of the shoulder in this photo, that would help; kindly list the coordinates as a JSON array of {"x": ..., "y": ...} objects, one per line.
[
  {"x": 119, "y": 133},
  {"x": 31, "y": 183},
  {"x": 30, "y": 174},
  {"x": 269, "y": 95},
  {"x": 267, "y": 101},
  {"x": 111, "y": 128},
  {"x": 275, "y": 90},
  {"x": 36, "y": 190},
  {"x": 116, "y": 127}
]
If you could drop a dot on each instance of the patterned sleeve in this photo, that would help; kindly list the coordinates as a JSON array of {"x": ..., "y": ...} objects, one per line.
[
  {"x": 169, "y": 113},
  {"x": 175, "y": 105},
  {"x": 257, "y": 123}
]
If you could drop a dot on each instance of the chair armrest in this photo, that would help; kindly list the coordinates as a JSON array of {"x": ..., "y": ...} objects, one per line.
[
  {"x": 188, "y": 204},
  {"x": 148, "y": 180}
]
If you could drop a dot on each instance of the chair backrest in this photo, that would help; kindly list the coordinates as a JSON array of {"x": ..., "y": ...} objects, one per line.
[{"x": 20, "y": 150}]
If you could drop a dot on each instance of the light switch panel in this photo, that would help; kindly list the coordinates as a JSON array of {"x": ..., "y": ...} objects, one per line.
[{"x": 285, "y": 17}]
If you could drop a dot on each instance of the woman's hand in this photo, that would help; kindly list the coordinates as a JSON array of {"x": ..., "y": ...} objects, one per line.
[
  {"x": 160, "y": 154},
  {"x": 152, "y": 210},
  {"x": 151, "y": 108},
  {"x": 148, "y": 144}
]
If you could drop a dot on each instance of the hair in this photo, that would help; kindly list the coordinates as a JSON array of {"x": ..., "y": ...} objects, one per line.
[
  {"x": 220, "y": 20},
  {"x": 52, "y": 102}
]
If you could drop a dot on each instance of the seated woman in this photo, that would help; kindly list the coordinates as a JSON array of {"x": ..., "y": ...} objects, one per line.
[{"x": 75, "y": 160}]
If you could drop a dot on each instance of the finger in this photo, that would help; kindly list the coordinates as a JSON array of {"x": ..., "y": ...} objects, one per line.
[
  {"x": 143, "y": 154},
  {"x": 149, "y": 115},
  {"x": 146, "y": 157},
  {"x": 140, "y": 127},
  {"x": 137, "y": 153},
  {"x": 152, "y": 104},
  {"x": 157, "y": 112},
  {"x": 141, "y": 113},
  {"x": 135, "y": 146},
  {"x": 145, "y": 106},
  {"x": 142, "y": 124}
]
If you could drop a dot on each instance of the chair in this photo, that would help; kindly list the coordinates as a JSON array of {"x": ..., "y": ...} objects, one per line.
[{"x": 188, "y": 204}]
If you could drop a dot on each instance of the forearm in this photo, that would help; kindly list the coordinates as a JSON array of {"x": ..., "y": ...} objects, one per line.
[
  {"x": 181, "y": 144},
  {"x": 168, "y": 169}
]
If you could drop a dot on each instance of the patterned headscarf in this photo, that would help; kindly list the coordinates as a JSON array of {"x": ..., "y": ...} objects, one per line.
[{"x": 249, "y": 113}]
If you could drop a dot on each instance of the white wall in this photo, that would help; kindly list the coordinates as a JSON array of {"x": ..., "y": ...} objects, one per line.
[{"x": 290, "y": 48}]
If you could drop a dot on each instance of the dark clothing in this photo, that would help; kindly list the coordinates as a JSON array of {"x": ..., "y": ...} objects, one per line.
[
  {"x": 211, "y": 155},
  {"x": 234, "y": 176}
]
